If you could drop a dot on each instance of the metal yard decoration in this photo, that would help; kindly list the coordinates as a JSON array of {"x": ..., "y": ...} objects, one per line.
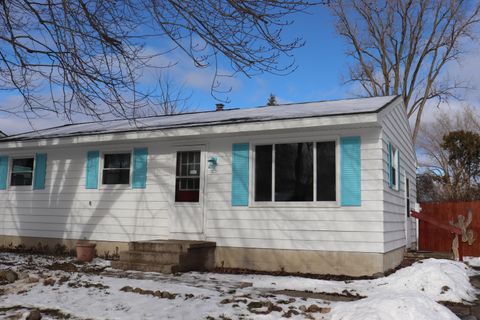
[
  {"x": 468, "y": 236},
  {"x": 458, "y": 228}
]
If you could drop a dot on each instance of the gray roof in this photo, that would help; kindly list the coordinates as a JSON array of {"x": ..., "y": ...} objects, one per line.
[{"x": 208, "y": 118}]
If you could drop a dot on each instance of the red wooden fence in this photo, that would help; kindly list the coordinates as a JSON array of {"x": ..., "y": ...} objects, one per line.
[{"x": 432, "y": 238}]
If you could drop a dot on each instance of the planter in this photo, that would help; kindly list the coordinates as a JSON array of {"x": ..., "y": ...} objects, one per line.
[{"x": 85, "y": 251}]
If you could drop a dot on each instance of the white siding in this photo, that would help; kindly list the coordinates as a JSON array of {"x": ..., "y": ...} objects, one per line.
[
  {"x": 359, "y": 229},
  {"x": 396, "y": 130},
  {"x": 65, "y": 209}
]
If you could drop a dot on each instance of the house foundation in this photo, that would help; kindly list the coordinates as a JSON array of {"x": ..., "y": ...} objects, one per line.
[{"x": 271, "y": 260}]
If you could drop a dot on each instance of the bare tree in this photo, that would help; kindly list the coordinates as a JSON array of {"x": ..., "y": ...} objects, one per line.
[
  {"x": 444, "y": 179},
  {"x": 172, "y": 99},
  {"x": 401, "y": 47},
  {"x": 86, "y": 57}
]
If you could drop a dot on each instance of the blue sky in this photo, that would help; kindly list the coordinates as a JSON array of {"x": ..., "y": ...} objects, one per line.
[{"x": 320, "y": 64}]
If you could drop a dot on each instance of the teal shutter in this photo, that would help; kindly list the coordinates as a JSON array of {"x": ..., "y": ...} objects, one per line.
[
  {"x": 40, "y": 171},
  {"x": 240, "y": 172},
  {"x": 398, "y": 170},
  {"x": 139, "y": 176},
  {"x": 92, "y": 169},
  {"x": 3, "y": 172},
  {"x": 390, "y": 162},
  {"x": 350, "y": 171}
]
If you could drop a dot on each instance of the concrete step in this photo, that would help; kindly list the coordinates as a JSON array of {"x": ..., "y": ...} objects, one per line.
[
  {"x": 168, "y": 256},
  {"x": 145, "y": 267},
  {"x": 151, "y": 257},
  {"x": 169, "y": 245}
]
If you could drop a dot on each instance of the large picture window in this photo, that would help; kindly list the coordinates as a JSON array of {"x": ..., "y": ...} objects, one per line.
[
  {"x": 116, "y": 168},
  {"x": 286, "y": 172},
  {"x": 22, "y": 172}
]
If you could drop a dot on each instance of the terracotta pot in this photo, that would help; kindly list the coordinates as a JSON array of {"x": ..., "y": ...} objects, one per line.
[{"x": 85, "y": 251}]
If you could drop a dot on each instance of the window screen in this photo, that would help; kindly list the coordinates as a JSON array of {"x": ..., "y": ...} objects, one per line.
[
  {"x": 116, "y": 168},
  {"x": 22, "y": 172},
  {"x": 294, "y": 172},
  {"x": 326, "y": 171},
  {"x": 263, "y": 173}
]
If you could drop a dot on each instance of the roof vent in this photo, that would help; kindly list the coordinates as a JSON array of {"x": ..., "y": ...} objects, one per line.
[{"x": 219, "y": 107}]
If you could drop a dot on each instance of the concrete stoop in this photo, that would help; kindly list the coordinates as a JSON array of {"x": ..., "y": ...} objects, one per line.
[{"x": 167, "y": 256}]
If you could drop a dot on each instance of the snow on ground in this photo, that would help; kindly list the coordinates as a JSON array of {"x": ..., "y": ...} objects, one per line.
[
  {"x": 99, "y": 292},
  {"x": 472, "y": 261},
  {"x": 428, "y": 277},
  {"x": 393, "y": 306}
]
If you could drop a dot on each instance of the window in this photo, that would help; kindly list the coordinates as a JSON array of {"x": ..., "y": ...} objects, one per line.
[
  {"x": 22, "y": 172},
  {"x": 116, "y": 168},
  {"x": 407, "y": 191},
  {"x": 187, "y": 184},
  {"x": 326, "y": 171},
  {"x": 263, "y": 173},
  {"x": 285, "y": 172},
  {"x": 394, "y": 168}
]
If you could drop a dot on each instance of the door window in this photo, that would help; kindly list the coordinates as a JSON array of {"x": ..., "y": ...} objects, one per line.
[{"x": 187, "y": 184}]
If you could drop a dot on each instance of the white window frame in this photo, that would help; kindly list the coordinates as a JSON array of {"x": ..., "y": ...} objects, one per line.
[
  {"x": 394, "y": 165},
  {"x": 10, "y": 171},
  {"x": 188, "y": 177},
  {"x": 202, "y": 147},
  {"x": 299, "y": 204},
  {"x": 102, "y": 167}
]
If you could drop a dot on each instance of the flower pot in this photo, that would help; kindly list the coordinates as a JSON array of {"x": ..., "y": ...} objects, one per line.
[{"x": 85, "y": 251}]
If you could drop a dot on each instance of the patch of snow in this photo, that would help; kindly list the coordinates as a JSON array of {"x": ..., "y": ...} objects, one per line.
[
  {"x": 438, "y": 279},
  {"x": 410, "y": 293},
  {"x": 392, "y": 306},
  {"x": 288, "y": 111},
  {"x": 472, "y": 261},
  {"x": 102, "y": 263}
]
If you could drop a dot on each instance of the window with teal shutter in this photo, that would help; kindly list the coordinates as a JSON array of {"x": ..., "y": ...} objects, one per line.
[
  {"x": 40, "y": 171},
  {"x": 350, "y": 171},
  {"x": 92, "y": 169},
  {"x": 3, "y": 172},
  {"x": 240, "y": 174},
  {"x": 139, "y": 178}
]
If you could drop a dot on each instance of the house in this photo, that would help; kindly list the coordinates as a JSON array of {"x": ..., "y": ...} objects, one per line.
[{"x": 317, "y": 187}]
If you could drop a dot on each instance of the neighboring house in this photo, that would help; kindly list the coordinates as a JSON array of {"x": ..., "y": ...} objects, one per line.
[{"x": 318, "y": 187}]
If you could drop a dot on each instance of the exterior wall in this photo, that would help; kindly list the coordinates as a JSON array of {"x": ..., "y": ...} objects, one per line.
[
  {"x": 66, "y": 210},
  {"x": 375, "y": 231},
  {"x": 396, "y": 130},
  {"x": 298, "y": 226}
]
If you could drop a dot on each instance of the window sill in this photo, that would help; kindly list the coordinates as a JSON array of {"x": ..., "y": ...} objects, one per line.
[
  {"x": 394, "y": 188},
  {"x": 115, "y": 187},
  {"x": 326, "y": 204},
  {"x": 21, "y": 188},
  {"x": 187, "y": 204}
]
